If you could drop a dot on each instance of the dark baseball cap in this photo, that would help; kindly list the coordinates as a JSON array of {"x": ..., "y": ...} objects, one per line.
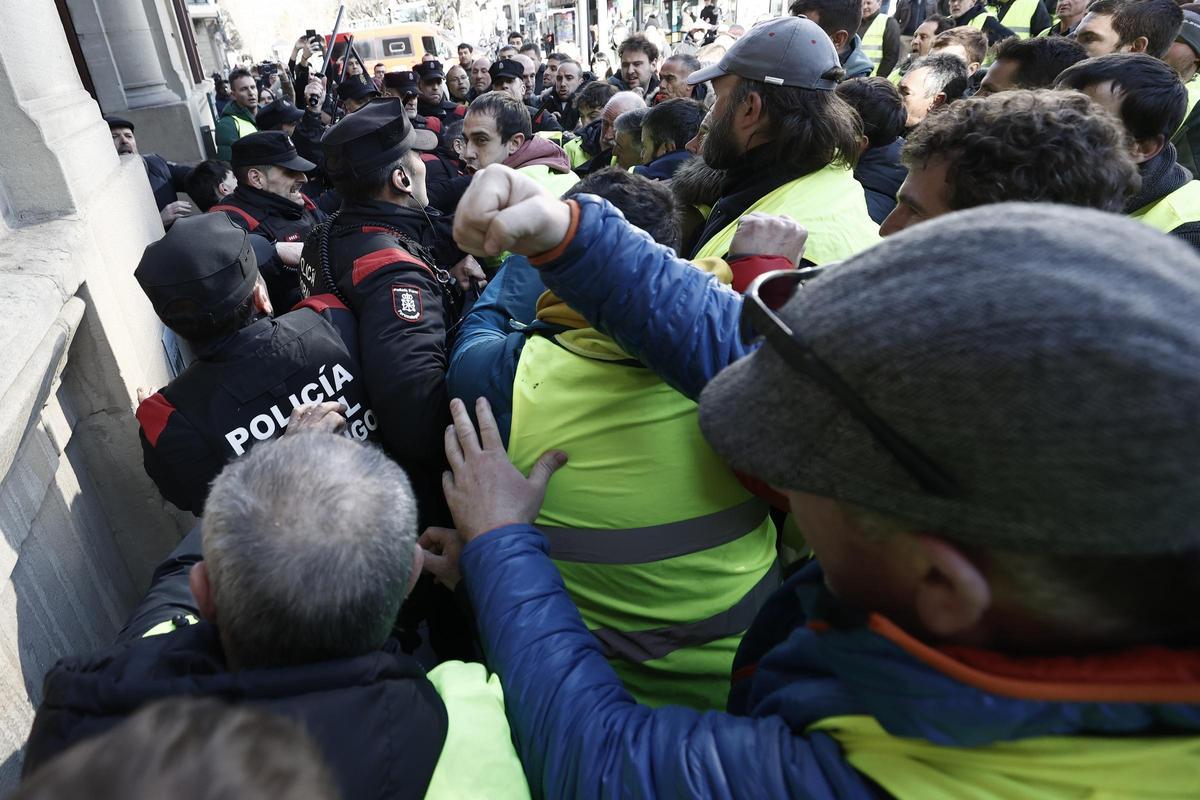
[
  {"x": 786, "y": 51},
  {"x": 1189, "y": 34},
  {"x": 373, "y": 136},
  {"x": 277, "y": 113},
  {"x": 1046, "y": 358},
  {"x": 118, "y": 122},
  {"x": 429, "y": 69},
  {"x": 506, "y": 68},
  {"x": 268, "y": 147},
  {"x": 403, "y": 81},
  {"x": 201, "y": 270}
]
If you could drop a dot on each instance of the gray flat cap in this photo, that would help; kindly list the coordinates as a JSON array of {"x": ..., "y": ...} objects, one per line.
[{"x": 1046, "y": 357}]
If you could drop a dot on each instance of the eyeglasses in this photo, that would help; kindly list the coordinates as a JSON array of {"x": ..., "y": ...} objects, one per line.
[{"x": 766, "y": 295}]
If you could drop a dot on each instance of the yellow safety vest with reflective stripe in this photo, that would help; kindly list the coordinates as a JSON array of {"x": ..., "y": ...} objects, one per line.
[
  {"x": 1042, "y": 768},
  {"x": 553, "y": 136},
  {"x": 828, "y": 202},
  {"x": 1018, "y": 16},
  {"x": 574, "y": 151},
  {"x": 1178, "y": 208},
  {"x": 1193, "y": 95},
  {"x": 556, "y": 182},
  {"x": 872, "y": 40},
  {"x": 666, "y": 555}
]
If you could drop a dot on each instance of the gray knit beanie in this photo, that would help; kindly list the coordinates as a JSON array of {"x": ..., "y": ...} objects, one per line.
[{"x": 1046, "y": 357}]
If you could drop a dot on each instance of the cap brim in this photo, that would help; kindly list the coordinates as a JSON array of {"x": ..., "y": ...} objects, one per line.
[
  {"x": 293, "y": 114},
  {"x": 297, "y": 163},
  {"x": 423, "y": 140},
  {"x": 706, "y": 74}
]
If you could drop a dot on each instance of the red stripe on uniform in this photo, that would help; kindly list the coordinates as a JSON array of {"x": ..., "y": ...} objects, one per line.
[
  {"x": 371, "y": 262},
  {"x": 152, "y": 415},
  {"x": 250, "y": 221},
  {"x": 321, "y": 302},
  {"x": 428, "y": 157}
]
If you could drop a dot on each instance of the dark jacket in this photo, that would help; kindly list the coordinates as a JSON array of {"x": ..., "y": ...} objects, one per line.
[
  {"x": 376, "y": 718},
  {"x": 880, "y": 172},
  {"x": 619, "y": 82},
  {"x": 991, "y": 26},
  {"x": 166, "y": 179},
  {"x": 1187, "y": 142},
  {"x": 1162, "y": 175},
  {"x": 276, "y": 219},
  {"x": 664, "y": 167},
  {"x": 806, "y": 658},
  {"x": 444, "y": 111},
  {"x": 1040, "y": 20},
  {"x": 563, "y": 111},
  {"x": 241, "y": 390},
  {"x": 387, "y": 263}
]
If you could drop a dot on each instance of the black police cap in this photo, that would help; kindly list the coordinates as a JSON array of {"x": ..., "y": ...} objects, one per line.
[
  {"x": 356, "y": 88},
  {"x": 404, "y": 82},
  {"x": 429, "y": 69},
  {"x": 268, "y": 147},
  {"x": 375, "y": 135},
  {"x": 117, "y": 122},
  {"x": 275, "y": 114},
  {"x": 506, "y": 68},
  {"x": 205, "y": 262}
]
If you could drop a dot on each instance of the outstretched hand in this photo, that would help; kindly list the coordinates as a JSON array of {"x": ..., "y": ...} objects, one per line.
[
  {"x": 505, "y": 210},
  {"x": 484, "y": 490}
]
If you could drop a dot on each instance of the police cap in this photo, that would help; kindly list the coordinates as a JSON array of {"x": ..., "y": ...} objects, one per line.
[
  {"x": 117, "y": 122},
  {"x": 404, "y": 82},
  {"x": 268, "y": 147},
  {"x": 372, "y": 137},
  {"x": 429, "y": 69},
  {"x": 506, "y": 68},
  {"x": 201, "y": 271},
  {"x": 354, "y": 88},
  {"x": 280, "y": 112}
]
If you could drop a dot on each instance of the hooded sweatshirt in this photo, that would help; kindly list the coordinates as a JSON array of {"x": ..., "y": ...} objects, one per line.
[{"x": 545, "y": 162}]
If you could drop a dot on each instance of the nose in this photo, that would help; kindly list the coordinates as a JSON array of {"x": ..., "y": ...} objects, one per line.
[
  {"x": 693, "y": 145},
  {"x": 895, "y": 222}
]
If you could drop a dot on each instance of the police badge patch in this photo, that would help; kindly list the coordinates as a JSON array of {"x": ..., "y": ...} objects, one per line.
[{"x": 406, "y": 302}]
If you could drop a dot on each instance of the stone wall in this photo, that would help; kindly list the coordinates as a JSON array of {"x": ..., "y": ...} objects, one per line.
[{"x": 81, "y": 526}]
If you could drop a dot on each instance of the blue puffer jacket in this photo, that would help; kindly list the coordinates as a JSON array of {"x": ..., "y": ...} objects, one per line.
[
  {"x": 580, "y": 734},
  {"x": 880, "y": 172}
]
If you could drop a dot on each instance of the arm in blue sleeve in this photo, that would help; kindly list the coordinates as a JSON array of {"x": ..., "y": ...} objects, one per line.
[
  {"x": 579, "y": 733},
  {"x": 674, "y": 318},
  {"x": 486, "y": 348}
]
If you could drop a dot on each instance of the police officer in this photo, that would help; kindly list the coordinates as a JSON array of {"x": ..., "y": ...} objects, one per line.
[
  {"x": 281, "y": 115},
  {"x": 431, "y": 104},
  {"x": 383, "y": 254},
  {"x": 269, "y": 202},
  {"x": 355, "y": 92},
  {"x": 251, "y": 370},
  {"x": 508, "y": 77}
]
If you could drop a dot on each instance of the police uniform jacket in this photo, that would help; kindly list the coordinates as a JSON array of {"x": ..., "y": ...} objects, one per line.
[
  {"x": 564, "y": 111},
  {"x": 167, "y": 179},
  {"x": 444, "y": 111},
  {"x": 382, "y": 260},
  {"x": 242, "y": 389},
  {"x": 279, "y": 220}
]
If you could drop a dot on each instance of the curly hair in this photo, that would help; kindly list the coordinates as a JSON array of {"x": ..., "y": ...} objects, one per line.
[{"x": 1028, "y": 145}]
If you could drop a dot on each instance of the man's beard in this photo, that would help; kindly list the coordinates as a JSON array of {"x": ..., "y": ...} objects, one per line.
[{"x": 720, "y": 150}]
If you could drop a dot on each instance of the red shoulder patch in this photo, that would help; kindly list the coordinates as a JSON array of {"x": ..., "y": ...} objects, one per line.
[
  {"x": 428, "y": 157},
  {"x": 433, "y": 124},
  {"x": 251, "y": 222},
  {"x": 364, "y": 266},
  {"x": 406, "y": 302},
  {"x": 152, "y": 415},
  {"x": 321, "y": 302}
]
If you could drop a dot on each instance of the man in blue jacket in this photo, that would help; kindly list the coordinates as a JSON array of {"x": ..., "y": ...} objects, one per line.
[{"x": 982, "y": 619}]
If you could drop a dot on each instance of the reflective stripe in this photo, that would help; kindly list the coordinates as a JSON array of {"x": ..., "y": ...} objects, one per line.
[
  {"x": 872, "y": 40},
  {"x": 647, "y": 645},
  {"x": 655, "y": 542}
]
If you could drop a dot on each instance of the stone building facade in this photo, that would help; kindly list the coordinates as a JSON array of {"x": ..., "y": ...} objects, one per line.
[{"x": 81, "y": 526}]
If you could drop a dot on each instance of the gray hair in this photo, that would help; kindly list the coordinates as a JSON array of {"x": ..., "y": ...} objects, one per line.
[
  {"x": 631, "y": 121},
  {"x": 308, "y": 543},
  {"x": 947, "y": 73}
]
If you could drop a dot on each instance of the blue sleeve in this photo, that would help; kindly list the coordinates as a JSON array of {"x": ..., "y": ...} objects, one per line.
[
  {"x": 676, "y": 319},
  {"x": 487, "y": 348},
  {"x": 580, "y": 734}
]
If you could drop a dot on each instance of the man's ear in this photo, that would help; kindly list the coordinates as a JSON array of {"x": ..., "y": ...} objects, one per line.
[
  {"x": 973, "y": 67},
  {"x": 1146, "y": 149},
  {"x": 256, "y": 178},
  {"x": 839, "y": 40},
  {"x": 939, "y": 100},
  {"x": 1138, "y": 45},
  {"x": 202, "y": 592},
  {"x": 262, "y": 300},
  {"x": 864, "y": 144},
  {"x": 664, "y": 148},
  {"x": 952, "y": 594},
  {"x": 417, "y": 565},
  {"x": 514, "y": 144}
]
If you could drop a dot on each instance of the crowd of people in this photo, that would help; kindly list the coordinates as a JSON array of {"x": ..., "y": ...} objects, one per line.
[{"x": 783, "y": 415}]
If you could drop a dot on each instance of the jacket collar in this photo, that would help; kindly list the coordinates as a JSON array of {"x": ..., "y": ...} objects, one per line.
[
  {"x": 270, "y": 203},
  {"x": 665, "y": 166},
  {"x": 1161, "y": 175},
  {"x": 235, "y": 109}
]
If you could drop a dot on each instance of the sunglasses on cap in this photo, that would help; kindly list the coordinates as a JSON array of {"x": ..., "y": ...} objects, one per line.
[{"x": 765, "y": 296}]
